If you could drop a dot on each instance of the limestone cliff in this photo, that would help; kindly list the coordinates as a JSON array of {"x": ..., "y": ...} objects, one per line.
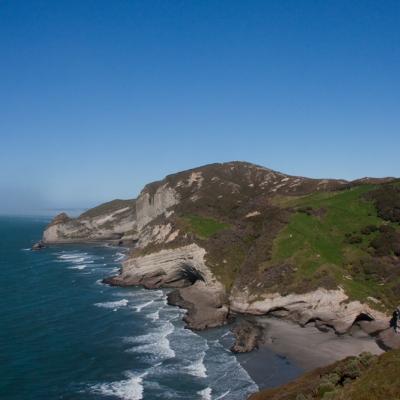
[
  {"x": 246, "y": 239},
  {"x": 110, "y": 221}
]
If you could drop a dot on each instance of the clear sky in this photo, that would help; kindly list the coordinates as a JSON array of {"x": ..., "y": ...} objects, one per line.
[{"x": 98, "y": 97}]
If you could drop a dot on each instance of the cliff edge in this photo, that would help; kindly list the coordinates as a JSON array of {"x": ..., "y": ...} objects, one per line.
[{"x": 240, "y": 238}]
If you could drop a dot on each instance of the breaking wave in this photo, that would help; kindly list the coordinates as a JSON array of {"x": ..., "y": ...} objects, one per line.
[
  {"x": 198, "y": 368},
  {"x": 205, "y": 393},
  {"x": 141, "y": 306},
  {"x": 79, "y": 267},
  {"x": 113, "y": 304},
  {"x": 127, "y": 389},
  {"x": 154, "y": 343}
]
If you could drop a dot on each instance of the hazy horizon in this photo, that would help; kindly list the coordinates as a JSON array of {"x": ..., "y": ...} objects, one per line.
[{"x": 99, "y": 98}]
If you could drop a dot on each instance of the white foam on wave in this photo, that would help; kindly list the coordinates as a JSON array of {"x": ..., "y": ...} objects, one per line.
[
  {"x": 127, "y": 389},
  {"x": 221, "y": 364},
  {"x": 119, "y": 256},
  {"x": 155, "y": 316},
  {"x": 205, "y": 393},
  {"x": 76, "y": 258},
  {"x": 155, "y": 343},
  {"x": 141, "y": 294},
  {"x": 141, "y": 306},
  {"x": 79, "y": 267},
  {"x": 223, "y": 395},
  {"x": 198, "y": 368},
  {"x": 113, "y": 304},
  {"x": 28, "y": 249},
  {"x": 72, "y": 256}
]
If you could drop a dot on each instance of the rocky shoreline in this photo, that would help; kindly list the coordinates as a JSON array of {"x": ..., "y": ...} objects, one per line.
[
  {"x": 196, "y": 290},
  {"x": 208, "y": 306},
  {"x": 237, "y": 242}
]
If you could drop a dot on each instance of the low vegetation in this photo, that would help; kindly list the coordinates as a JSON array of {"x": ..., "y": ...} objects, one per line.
[
  {"x": 204, "y": 227},
  {"x": 341, "y": 238},
  {"x": 365, "y": 377},
  {"x": 108, "y": 208}
]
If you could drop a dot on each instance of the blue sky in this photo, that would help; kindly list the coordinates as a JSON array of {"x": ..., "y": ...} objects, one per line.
[{"x": 100, "y": 97}]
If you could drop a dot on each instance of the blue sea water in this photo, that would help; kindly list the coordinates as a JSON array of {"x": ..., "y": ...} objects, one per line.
[{"x": 65, "y": 335}]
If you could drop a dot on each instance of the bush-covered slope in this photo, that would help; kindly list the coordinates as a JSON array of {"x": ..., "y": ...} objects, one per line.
[
  {"x": 270, "y": 232},
  {"x": 343, "y": 238},
  {"x": 365, "y": 377},
  {"x": 264, "y": 231},
  {"x": 297, "y": 243}
]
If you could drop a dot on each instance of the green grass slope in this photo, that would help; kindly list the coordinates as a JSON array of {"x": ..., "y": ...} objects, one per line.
[{"x": 336, "y": 239}]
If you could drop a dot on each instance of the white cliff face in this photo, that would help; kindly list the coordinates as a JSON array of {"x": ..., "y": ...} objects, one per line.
[
  {"x": 116, "y": 223},
  {"x": 164, "y": 267},
  {"x": 200, "y": 293},
  {"x": 157, "y": 234},
  {"x": 147, "y": 221},
  {"x": 330, "y": 307},
  {"x": 150, "y": 206},
  {"x": 111, "y": 225}
]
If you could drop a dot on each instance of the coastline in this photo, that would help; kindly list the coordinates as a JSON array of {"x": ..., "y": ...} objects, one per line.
[
  {"x": 288, "y": 350},
  {"x": 302, "y": 349}
]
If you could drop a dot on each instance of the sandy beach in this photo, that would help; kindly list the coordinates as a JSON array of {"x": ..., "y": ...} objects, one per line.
[{"x": 303, "y": 349}]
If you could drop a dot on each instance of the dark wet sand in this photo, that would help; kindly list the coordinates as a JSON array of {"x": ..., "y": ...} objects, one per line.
[{"x": 302, "y": 349}]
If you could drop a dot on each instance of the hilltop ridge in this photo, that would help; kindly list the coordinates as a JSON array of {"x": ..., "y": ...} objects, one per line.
[{"x": 241, "y": 238}]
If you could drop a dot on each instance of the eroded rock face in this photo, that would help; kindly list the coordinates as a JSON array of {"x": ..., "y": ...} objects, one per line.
[
  {"x": 248, "y": 336},
  {"x": 241, "y": 198},
  {"x": 178, "y": 267},
  {"x": 149, "y": 206},
  {"x": 206, "y": 305},
  {"x": 38, "y": 246},
  {"x": 220, "y": 186},
  {"x": 115, "y": 220},
  {"x": 389, "y": 339},
  {"x": 199, "y": 292},
  {"x": 326, "y": 308}
]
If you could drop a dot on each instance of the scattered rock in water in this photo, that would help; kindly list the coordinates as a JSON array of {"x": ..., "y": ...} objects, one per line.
[
  {"x": 248, "y": 336},
  {"x": 38, "y": 246}
]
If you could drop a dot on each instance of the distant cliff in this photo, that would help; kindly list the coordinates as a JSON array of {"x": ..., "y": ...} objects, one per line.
[{"x": 241, "y": 238}]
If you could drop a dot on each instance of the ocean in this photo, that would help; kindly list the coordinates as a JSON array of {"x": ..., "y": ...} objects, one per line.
[{"x": 65, "y": 335}]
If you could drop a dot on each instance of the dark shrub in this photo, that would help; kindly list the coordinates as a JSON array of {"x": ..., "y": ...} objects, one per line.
[
  {"x": 353, "y": 239},
  {"x": 387, "y": 202},
  {"x": 369, "y": 229},
  {"x": 387, "y": 243}
]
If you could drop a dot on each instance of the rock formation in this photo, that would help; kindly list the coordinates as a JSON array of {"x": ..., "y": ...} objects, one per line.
[
  {"x": 248, "y": 336},
  {"x": 237, "y": 237}
]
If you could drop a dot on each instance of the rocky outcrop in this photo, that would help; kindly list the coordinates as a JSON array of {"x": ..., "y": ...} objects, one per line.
[
  {"x": 199, "y": 291},
  {"x": 388, "y": 339},
  {"x": 151, "y": 205},
  {"x": 38, "y": 246},
  {"x": 113, "y": 221},
  {"x": 129, "y": 220},
  {"x": 326, "y": 308},
  {"x": 178, "y": 267},
  {"x": 248, "y": 336},
  {"x": 206, "y": 305},
  {"x": 209, "y": 232}
]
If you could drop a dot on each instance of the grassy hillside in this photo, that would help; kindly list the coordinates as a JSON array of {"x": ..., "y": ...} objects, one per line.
[
  {"x": 335, "y": 239},
  {"x": 297, "y": 243},
  {"x": 269, "y": 232},
  {"x": 109, "y": 208},
  {"x": 204, "y": 227},
  {"x": 365, "y": 377}
]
